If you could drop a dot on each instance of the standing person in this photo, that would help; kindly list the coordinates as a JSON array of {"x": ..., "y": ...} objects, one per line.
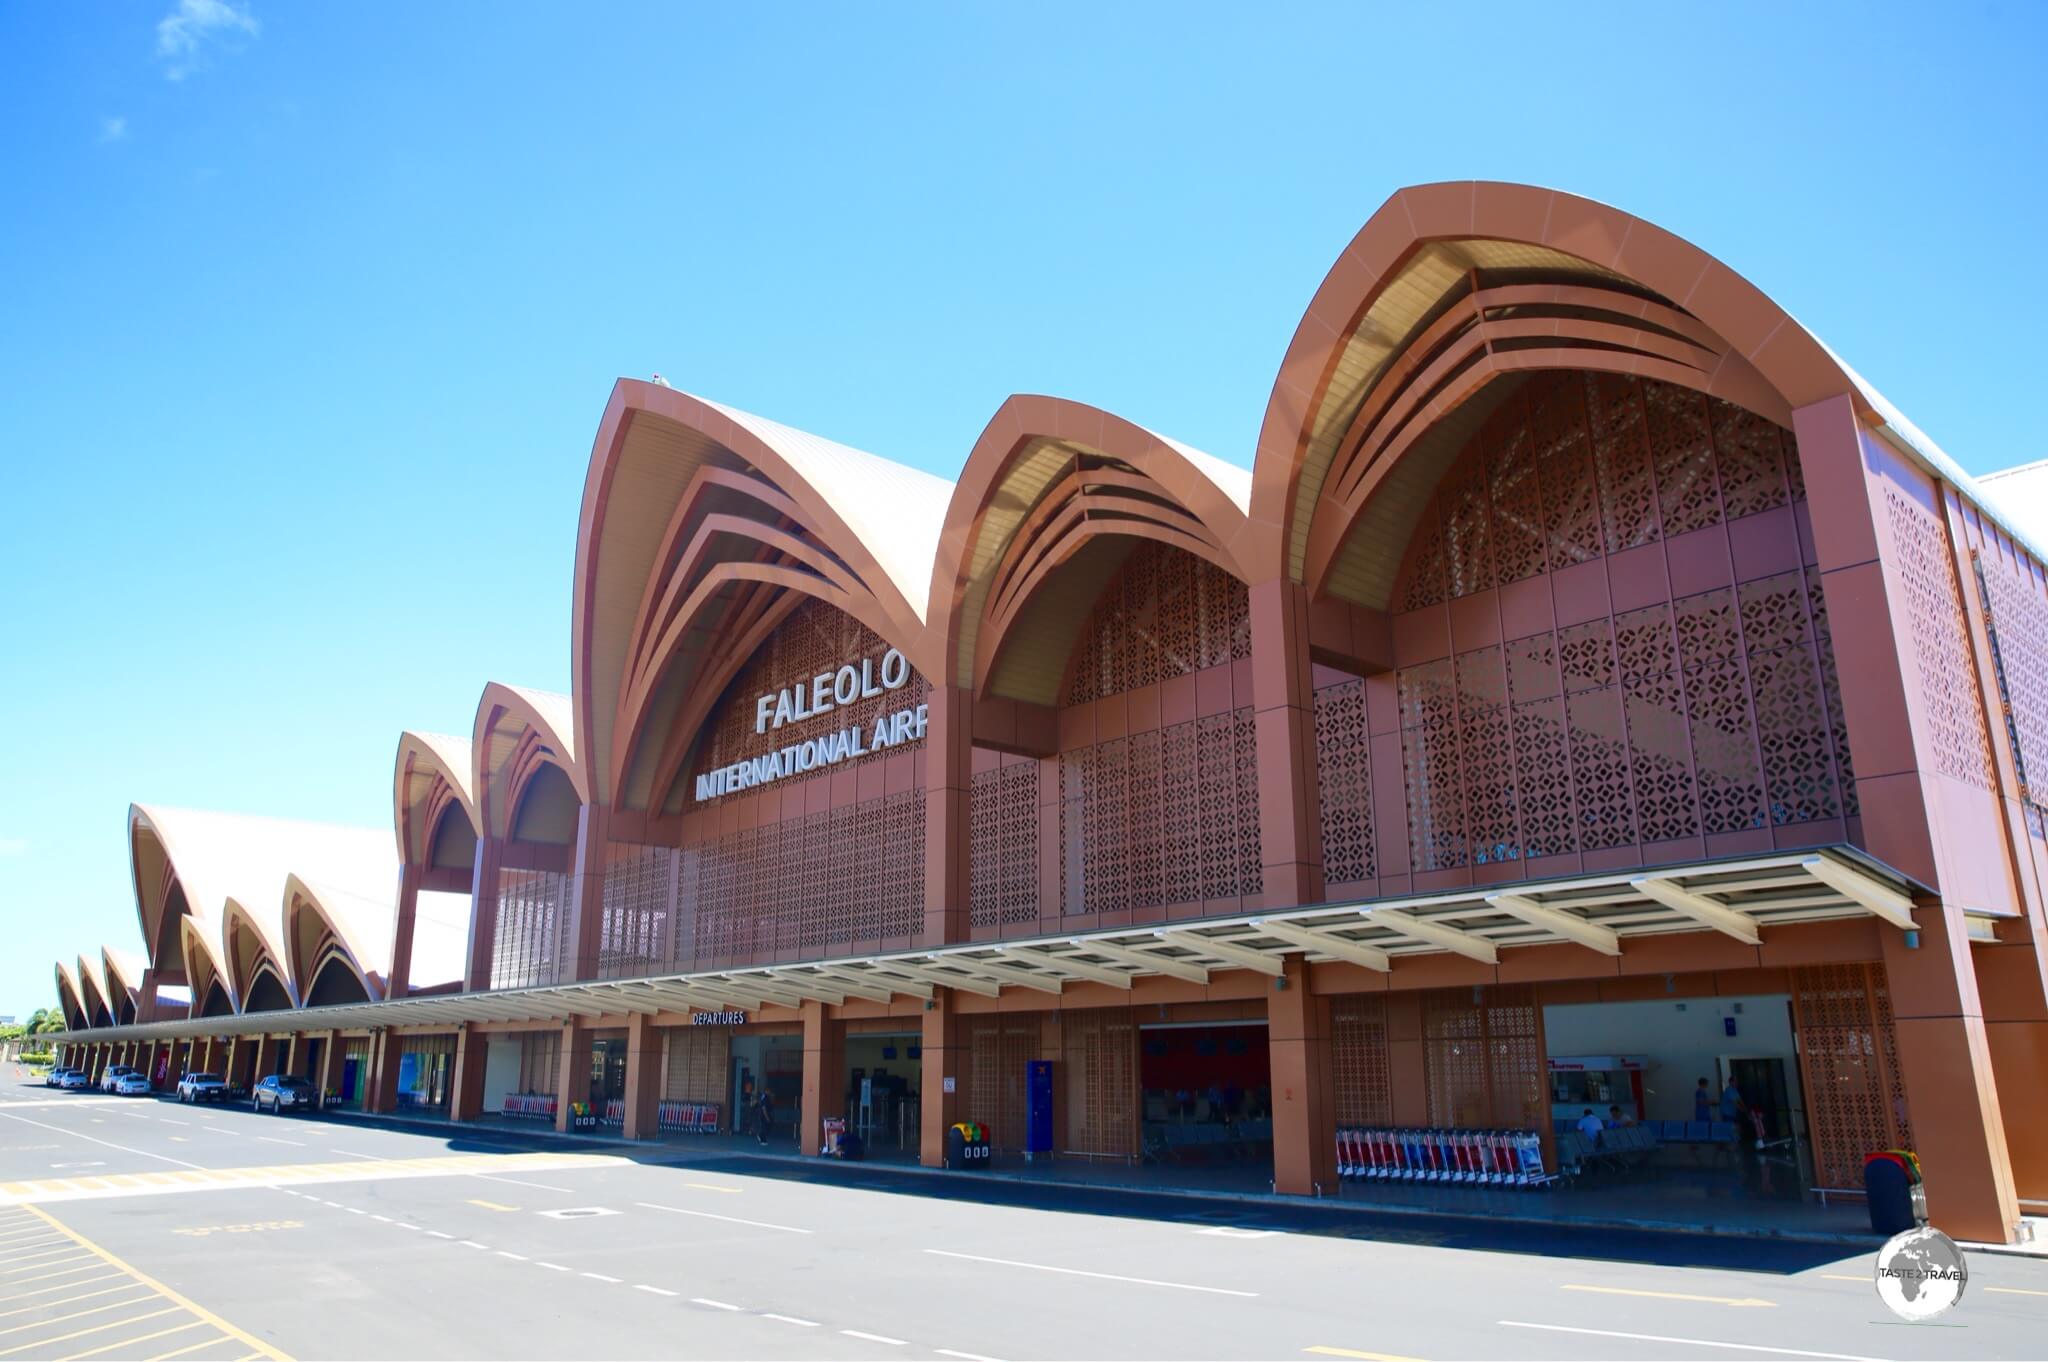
[
  {"x": 1732, "y": 1105},
  {"x": 1702, "y": 1102},
  {"x": 764, "y": 1115}
]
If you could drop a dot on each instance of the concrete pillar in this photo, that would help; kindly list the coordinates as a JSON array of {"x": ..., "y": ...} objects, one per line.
[
  {"x": 1290, "y": 816},
  {"x": 644, "y": 1058},
  {"x": 483, "y": 914},
  {"x": 399, "y": 982},
  {"x": 295, "y": 1054},
  {"x": 330, "y": 1065},
  {"x": 586, "y": 892},
  {"x": 1304, "y": 1086},
  {"x": 145, "y": 997},
  {"x": 572, "y": 1077},
  {"x": 824, "y": 1075},
  {"x": 466, "y": 1093},
  {"x": 948, "y": 782},
  {"x": 944, "y": 1048},
  {"x": 1945, "y": 1066},
  {"x": 381, "y": 1093}
]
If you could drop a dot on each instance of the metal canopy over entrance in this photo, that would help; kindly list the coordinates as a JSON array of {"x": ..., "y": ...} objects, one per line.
[{"x": 1737, "y": 898}]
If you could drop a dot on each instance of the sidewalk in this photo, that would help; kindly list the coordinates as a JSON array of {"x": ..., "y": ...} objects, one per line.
[{"x": 1629, "y": 1207}]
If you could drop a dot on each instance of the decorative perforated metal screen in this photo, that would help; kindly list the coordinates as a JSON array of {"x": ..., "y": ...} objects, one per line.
[
  {"x": 1358, "y": 1060},
  {"x": 1003, "y": 844},
  {"x": 533, "y": 924},
  {"x": 1848, "y": 1068},
  {"x": 1712, "y": 713},
  {"x": 1165, "y": 614},
  {"x": 694, "y": 1069},
  {"x": 1949, "y": 696},
  {"x": 540, "y": 1061},
  {"x": 2016, "y": 620},
  {"x": 1101, "y": 1086},
  {"x": 1166, "y": 816},
  {"x": 1483, "y": 1064},
  {"x": 999, "y": 1049},
  {"x": 640, "y": 885},
  {"x": 850, "y": 874}
]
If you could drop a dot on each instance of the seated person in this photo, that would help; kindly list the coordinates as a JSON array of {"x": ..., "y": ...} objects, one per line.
[
  {"x": 1590, "y": 1126},
  {"x": 1615, "y": 1117}
]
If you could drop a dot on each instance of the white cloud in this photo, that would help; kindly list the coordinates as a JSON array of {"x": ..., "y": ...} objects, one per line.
[
  {"x": 183, "y": 35},
  {"x": 113, "y": 129},
  {"x": 13, "y": 846}
]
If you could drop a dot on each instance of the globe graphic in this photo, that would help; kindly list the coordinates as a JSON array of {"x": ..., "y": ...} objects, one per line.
[{"x": 1920, "y": 1274}]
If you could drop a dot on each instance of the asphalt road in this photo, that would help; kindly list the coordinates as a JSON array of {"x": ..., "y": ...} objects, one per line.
[{"x": 138, "y": 1228}]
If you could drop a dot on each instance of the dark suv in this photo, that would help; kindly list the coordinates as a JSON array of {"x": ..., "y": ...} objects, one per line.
[{"x": 283, "y": 1092}]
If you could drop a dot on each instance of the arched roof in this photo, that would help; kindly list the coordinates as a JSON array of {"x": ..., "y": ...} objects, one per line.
[
  {"x": 70, "y": 1001},
  {"x": 122, "y": 971},
  {"x": 232, "y": 869},
  {"x": 518, "y": 729},
  {"x": 321, "y": 922},
  {"x": 1046, "y": 476},
  {"x": 93, "y": 990},
  {"x": 432, "y": 770},
  {"x": 1623, "y": 294},
  {"x": 701, "y": 518}
]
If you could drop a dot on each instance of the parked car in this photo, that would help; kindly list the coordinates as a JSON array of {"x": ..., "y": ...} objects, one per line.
[
  {"x": 55, "y": 1077},
  {"x": 133, "y": 1084},
  {"x": 114, "y": 1074},
  {"x": 202, "y": 1088},
  {"x": 76, "y": 1080},
  {"x": 283, "y": 1092}
]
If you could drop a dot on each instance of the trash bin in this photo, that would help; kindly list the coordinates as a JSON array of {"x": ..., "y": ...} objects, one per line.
[
  {"x": 1891, "y": 1188},
  {"x": 851, "y": 1145},
  {"x": 966, "y": 1145}
]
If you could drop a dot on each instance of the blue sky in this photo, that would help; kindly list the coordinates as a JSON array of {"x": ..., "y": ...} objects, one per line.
[{"x": 308, "y": 313}]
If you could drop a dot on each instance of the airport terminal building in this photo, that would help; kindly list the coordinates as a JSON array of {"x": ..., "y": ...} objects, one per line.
[{"x": 1593, "y": 687}]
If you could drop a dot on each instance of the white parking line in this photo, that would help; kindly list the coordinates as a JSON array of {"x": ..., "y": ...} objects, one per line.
[
  {"x": 350, "y": 1153},
  {"x": 1105, "y": 1276},
  {"x": 385, "y": 1218},
  {"x": 600, "y": 1277},
  {"x": 552, "y": 1267},
  {"x": 654, "y": 1290},
  {"x": 272, "y": 1139},
  {"x": 873, "y": 1338},
  {"x": 471, "y": 1243},
  {"x": 729, "y": 1219},
  {"x": 515, "y": 1257},
  {"x": 147, "y": 1154},
  {"x": 545, "y": 1187},
  {"x": 715, "y": 1305},
  {"x": 438, "y": 1235},
  {"x": 791, "y": 1319},
  {"x": 402, "y": 1225},
  {"x": 1694, "y": 1342},
  {"x": 965, "y": 1357}
]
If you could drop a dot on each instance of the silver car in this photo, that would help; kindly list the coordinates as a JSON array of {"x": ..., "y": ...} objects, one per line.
[
  {"x": 132, "y": 1084},
  {"x": 76, "y": 1080}
]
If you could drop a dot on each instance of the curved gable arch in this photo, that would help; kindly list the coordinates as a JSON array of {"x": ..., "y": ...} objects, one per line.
[
  {"x": 433, "y": 773},
  {"x": 323, "y": 926},
  {"x": 1375, "y": 341},
  {"x": 1048, "y": 479},
  {"x": 250, "y": 944},
  {"x": 663, "y": 463},
  {"x": 517, "y": 731},
  {"x": 93, "y": 993},
  {"x": 124, "y": 983},
  {"x": 199, "y": 948},
  {"x": 69, "y": 1000}
]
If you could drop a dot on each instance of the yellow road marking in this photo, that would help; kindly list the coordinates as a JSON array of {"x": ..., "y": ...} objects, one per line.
[
  {"x": 2015, "y": 1291},
  {"x": 1738, "y": 1301},
  {"x": 491, "y": 1205},
  {"x": 710, "y": 1187},
  {"x": 131, "y": 1342},
  {"x": 83, "y": 1296},
  {"x": 61, "y": 1286},
  {"x": 1353, "y": 1352},
  {"x": 75, "y": 1314},
  {"x": 96, "y": 1329},
  {"x": 193, "y": 1348},
  {"x": 153, "y": 1284}
]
